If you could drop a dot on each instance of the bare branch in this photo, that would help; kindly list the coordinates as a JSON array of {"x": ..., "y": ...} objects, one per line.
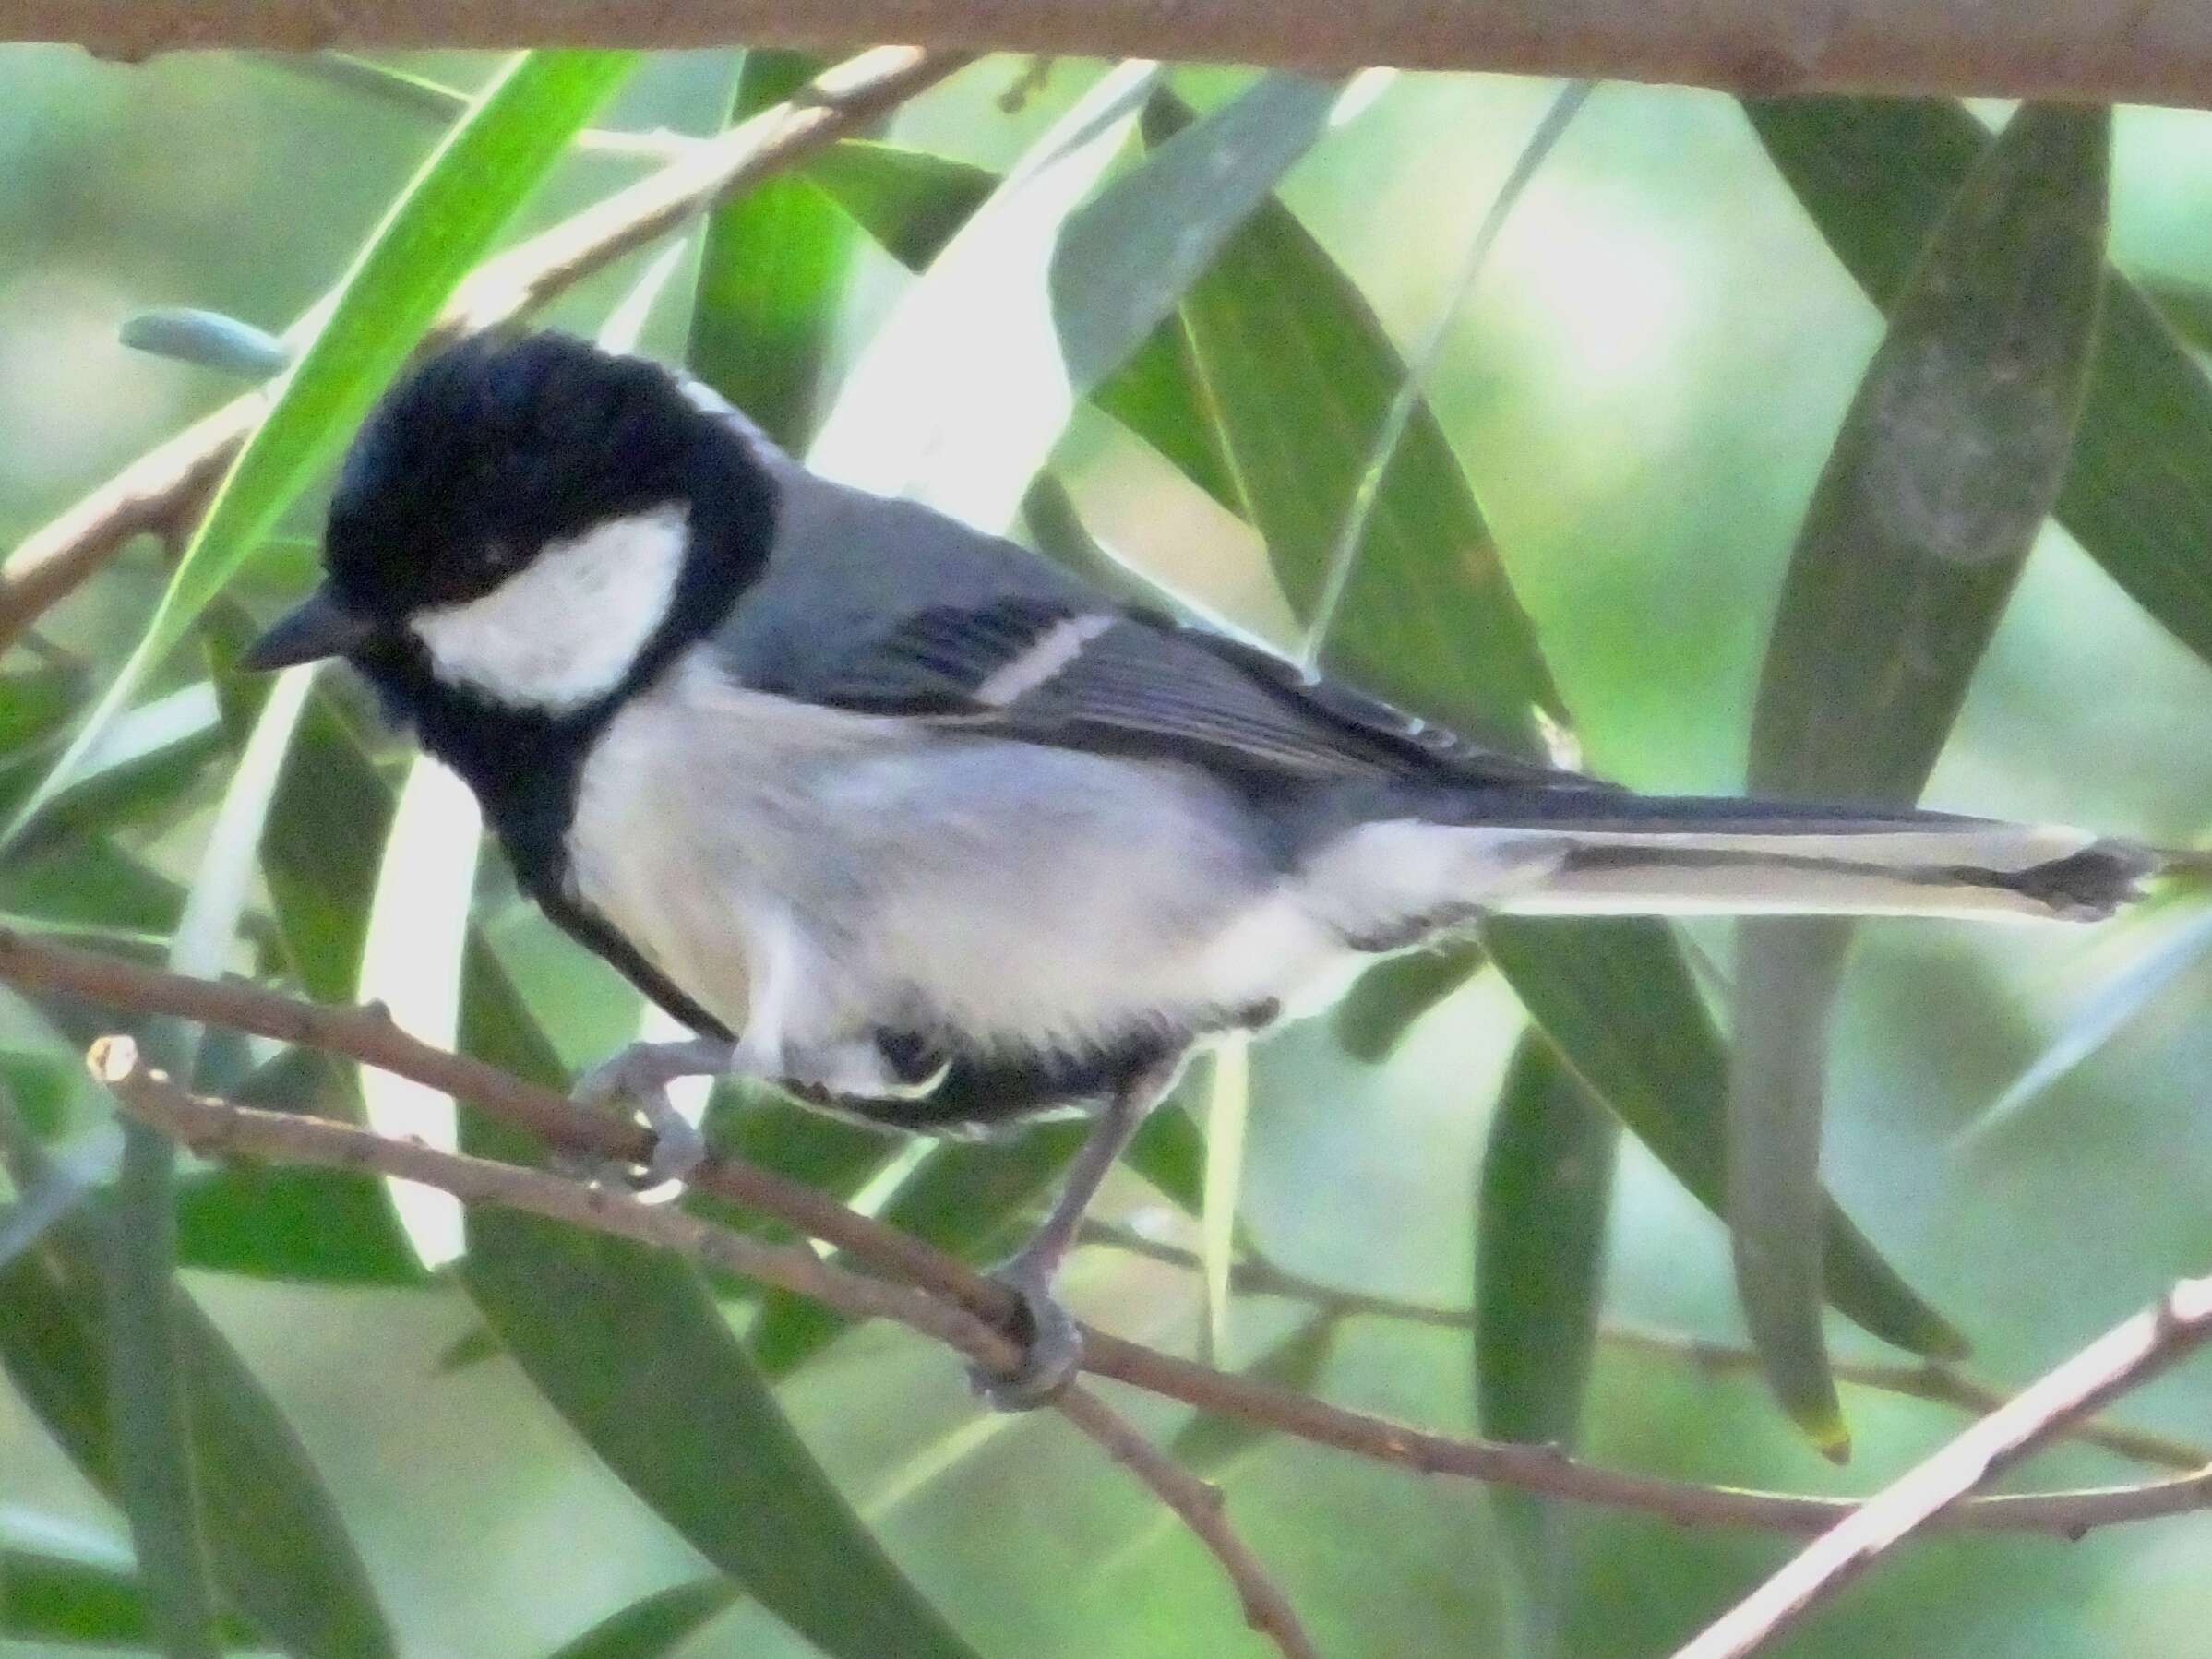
[
  {"x": 1927, "y": 1379},
  {"x": 165, "y": 490},
  {"x": 222, "y": 1128},
  {"x": 366, "y": 1035},
  {"x": 2124, "y": 1357},
  {"x": 2133, "y": 51}
]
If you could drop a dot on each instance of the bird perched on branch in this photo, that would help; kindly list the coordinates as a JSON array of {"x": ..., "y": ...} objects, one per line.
[{"x": 906, "y": 819}]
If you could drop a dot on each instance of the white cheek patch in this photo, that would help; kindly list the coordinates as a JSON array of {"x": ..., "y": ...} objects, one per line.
[{"x": 565, "y": 629}]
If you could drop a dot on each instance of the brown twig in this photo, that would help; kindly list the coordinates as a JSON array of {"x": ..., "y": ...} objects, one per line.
[
  {"x": 1929, "y": 1380},
  {"x": 163, "y": 491},
  {"x": 366, "y": 1036},
  {"x": 2125, "y": 1356},
  {"x": 2126, "y": 51},
  {"x": 226, "y": 1130}
]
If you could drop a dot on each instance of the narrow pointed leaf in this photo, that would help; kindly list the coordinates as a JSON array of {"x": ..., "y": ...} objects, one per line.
[
  {"x": 50, "y": 1598},
  {"x": 1302, "y": 373},
  {"x": 628, "y": 1345},
  {"x": 2096, "y": 1019},
  {"x": 910, "y": 203},
  {"x": 657, "y": 1625},
  {"x": 275, "y": 1540},
  {"x": 1391, "y": 997},
  {"x": 926, "y": 411},
  {"x": 1947, "y": 463},
  {"x": 1540, "y": 1213},
  {"x": 1228, "y": 1109},
  {"x": 440, "y": 227},
  {"x": 1065, "y": 304},
  {"x": 1876, "y": 173},
  {"x": 770, "y": 277},
  {"x": 410, "y": 965}
]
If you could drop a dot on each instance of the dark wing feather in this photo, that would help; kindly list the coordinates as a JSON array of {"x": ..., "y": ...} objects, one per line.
[{"x": 1133, "y": 681}]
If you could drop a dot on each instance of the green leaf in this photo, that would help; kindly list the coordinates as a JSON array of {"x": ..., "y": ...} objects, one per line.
[
  {"x": 1947, "y": 463},
  {"x": 910, "y": 203},
  {"x": 1302, "y": 373},
  {"x": 1620, "y": 1007},
  {"x": 770, "y": 277},
  {"x": 1228, "y": 1110},
  {"x": 142, "y": 766},
  {"x": 630, "y": 1347},
  {"x": 411, "y": 964},
  {"x": 1539, "y": 1253},
  {"x": 269, "y": 1221},
  {"x": 626, "y": 1343},
  {"x": 1876, "y": 175},
  {"x": 277, "y": 1545},
  {"x": 1068, "y": 295},
  {"x": 1389, "y": 998},
  {"x": 660, "y": 1624},
  {"x": 36, "y": 704},
  {"x": 926, "y": 412},
  {"x": 49, "y": 1597},
  {"x": 441, "y": 226},
  {"x": 1540, "y": 1210},
  {"x": 151, "y": 1414}
]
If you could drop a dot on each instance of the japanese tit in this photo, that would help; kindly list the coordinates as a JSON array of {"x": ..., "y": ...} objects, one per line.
[{"x": 902, "y": 816}]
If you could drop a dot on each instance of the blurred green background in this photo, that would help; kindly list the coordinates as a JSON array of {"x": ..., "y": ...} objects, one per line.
[{"x": 1642, "y": 387}]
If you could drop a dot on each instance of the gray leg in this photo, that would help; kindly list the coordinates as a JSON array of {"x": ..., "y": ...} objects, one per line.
[{"x": 1054, "y": 1346}]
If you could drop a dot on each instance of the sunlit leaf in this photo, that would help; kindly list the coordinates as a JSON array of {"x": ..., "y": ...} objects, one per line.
[
  {"x": 411, "y": 964},
  {"x": 911, "y": 203},
  {"x": 1064, "y": 296},
  {"x": 2096, "y": 1019},
  {"x": 925, "y": 411},
  {"x": 439, "y": 227},
  {"x": 1946, "y": 465},
  {"x": 770, "y": 277}
]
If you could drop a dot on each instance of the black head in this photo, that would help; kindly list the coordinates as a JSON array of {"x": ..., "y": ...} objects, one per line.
[{"x": 487, "y": 453}]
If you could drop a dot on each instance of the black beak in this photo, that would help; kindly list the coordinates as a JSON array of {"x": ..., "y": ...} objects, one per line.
[{"x": 317, "y": 627}]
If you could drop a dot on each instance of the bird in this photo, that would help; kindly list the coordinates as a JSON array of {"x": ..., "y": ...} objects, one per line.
[{"x": 906, "y": 820}]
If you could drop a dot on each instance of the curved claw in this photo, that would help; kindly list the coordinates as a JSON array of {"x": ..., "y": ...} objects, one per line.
[
  {"x": 636, "y": 1081},
  {"x": 1052, "y": 1346}
]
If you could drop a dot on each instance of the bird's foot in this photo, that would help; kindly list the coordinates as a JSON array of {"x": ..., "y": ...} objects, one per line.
[
  {"x": 634, "y": 1084},
  {"x": 1052, "y": 1344}
]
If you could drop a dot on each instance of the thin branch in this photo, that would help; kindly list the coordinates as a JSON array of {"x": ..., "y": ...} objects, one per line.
[
  {"x": 365, "y": 1035},
  {"x": 1940, "y": 1384},
  {"x": 2124, "y": 1357},
  {"x": 2131, "y": 51},
  {"x": 221, "y": 1128},
  {"x": 163, "y": 491}
]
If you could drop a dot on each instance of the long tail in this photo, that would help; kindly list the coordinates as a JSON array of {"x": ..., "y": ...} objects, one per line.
[{"x": 1598, "y": 853}]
